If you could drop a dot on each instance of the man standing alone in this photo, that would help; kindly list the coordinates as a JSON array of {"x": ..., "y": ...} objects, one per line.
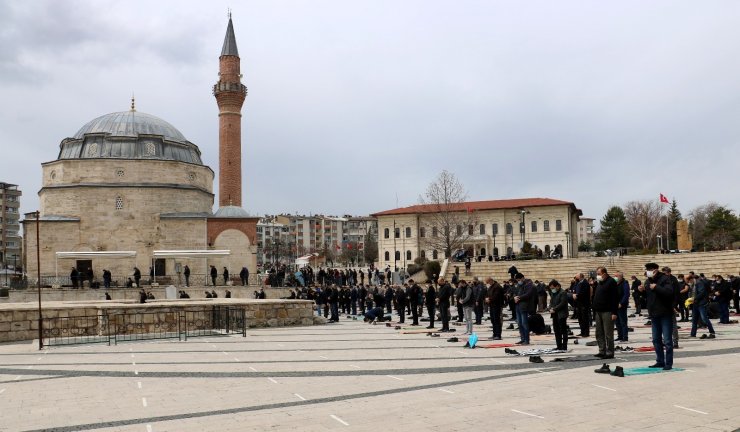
[
  {"x": 660, "y": 296},
  {"x": 445, "y": 292},
  {"x": 606, "y": 304}
]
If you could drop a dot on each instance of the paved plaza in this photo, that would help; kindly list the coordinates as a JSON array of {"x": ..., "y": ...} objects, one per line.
[{"x": 355, "y": 376}]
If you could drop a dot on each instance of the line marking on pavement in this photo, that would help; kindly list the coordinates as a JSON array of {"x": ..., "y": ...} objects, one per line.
[
  {"x": 17, "y": 378},
  {"x": 325, "y": 358},
  {"x": 339, "y": 420},
  {"x": 2, "y": 391},
  {"x": 272, "y": 380},
  {"x": 355, "y": 366},
  {"x": 605, "y": 388},
  {"x": 395, "y": 377},
  {"x": 299, "y": 396},
  {"x": 143, "y": 402},
  {"x": 527, "y": 414},
  {"x": 138, "y": 384},
  {"x": 689, "y": 409},
  {"x": 437, "y": 346},
  {"x": 148, "y": 428},
  {"x": 446, "y": 391},
  {"x": 298, "y": 351},
  {"x": 252, "y": 369}
]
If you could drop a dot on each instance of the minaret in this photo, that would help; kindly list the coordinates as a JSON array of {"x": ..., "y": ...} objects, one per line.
[{"x": 230, "y": 94}]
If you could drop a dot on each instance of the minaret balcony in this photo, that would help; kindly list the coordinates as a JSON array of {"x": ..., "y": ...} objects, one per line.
[{"x": 221, "y": 87}]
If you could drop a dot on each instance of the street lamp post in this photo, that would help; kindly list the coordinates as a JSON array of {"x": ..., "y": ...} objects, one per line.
[
  {"x": 38, "y": 282},
  {"x": 567, "y": 244}
]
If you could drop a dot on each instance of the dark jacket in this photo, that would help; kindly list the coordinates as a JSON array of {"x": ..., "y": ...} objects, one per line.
[
  {"x": 559, "y": 303},
  {"x": 495, "y": 295},
  {"x": 659, "y": 300},
  {"x": 623, "y": 289},
  {"x": 415, "y": 295},
  {"x": 467, "y": 297},
  {"x": 606, "y": 297},
  {"x": 701, "y": 294},
  {"x": 445, "y": 292},
  {"x": 430, "y": 296},
  {"x": 527, "y": 294},
  {"x": 583, "y": 293}
]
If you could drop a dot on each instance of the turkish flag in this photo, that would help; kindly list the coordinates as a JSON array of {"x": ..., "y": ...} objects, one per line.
[{"x": 663, "y": 199}]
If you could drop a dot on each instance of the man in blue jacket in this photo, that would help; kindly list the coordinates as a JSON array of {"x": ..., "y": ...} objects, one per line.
[
  {"x": 699, "y": 293},
  {"x": 623, "y": 291},
  {"x": 525, "y": 294},
  {"x": 658, "y": 289}
]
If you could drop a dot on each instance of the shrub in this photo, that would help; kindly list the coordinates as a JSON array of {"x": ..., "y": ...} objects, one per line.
[{"x": 432, "y": 268}]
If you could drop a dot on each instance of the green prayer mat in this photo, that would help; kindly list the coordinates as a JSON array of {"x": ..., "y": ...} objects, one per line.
[{"x": 647, "y": 370}]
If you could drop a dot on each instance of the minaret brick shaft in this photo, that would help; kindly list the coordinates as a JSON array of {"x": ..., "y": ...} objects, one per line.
[{"x": 230, "y": 94}]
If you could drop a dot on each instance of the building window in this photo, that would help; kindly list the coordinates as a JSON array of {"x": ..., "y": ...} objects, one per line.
[
  {"x": 408, "y": 232},
  {"x": 408, "y": 255},
  {"x": 546, "y": 225},
  {"x": 423, "y": 254},
  {"x": 387, "y": 234},
  {"x": 398, "y": 255},
  {"x": 149, "y": 149},
  {"x": 459, "y": 230},
  {"x": 92, "y": 150},
  {"x": 434, "y": 231},
  {"x": 397, "y": 232},
  {"x": 434, "y": 254},
  {"x": 119, "y": 203},
  {"x": 422, "y": 232},
  {"x": 509, "y": 229},
  {"x": 470, "y": 229},
  {"x": 387, "y": 256},
  {"x": 558, "y": 225},
  {"x": 494, "y": 228},
  {"x": 482, "y": 229},
  {"x": 534, "y": 226}
]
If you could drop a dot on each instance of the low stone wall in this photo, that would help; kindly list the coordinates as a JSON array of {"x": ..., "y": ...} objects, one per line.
[
  {"x": 19, "y": 321},
  {"x": 87, "y": 294}
]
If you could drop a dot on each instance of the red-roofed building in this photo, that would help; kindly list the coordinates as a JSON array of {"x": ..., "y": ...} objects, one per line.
[{"x": 486, "y": 229}]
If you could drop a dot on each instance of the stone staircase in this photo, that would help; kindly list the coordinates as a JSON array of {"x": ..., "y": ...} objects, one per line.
[{"x": 724, "y": 262}]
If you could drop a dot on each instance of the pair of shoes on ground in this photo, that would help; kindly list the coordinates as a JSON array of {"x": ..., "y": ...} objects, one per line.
[
  {"x": 511, "y": 351},
  {"x": 605, "y": 369},
  {"x": 710, "y": 336},
  {"x": 536, "y": 359},
  {"x": 452, "y": 339},
  {"x": 604, "y": 356},
  {"x": 434, "y": 335},
  {"x": 660, "y": 366}
]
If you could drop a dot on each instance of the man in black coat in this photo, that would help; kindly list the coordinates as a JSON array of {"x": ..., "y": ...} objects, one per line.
[
  {"x": 361, "y": 296},
  {"x": 658, "y": 289},
  {"x": 414, "y": 298},
  {"x": 582, "y": 297},
  {"x": 495, "y": 300},
  {"x": 526, "y": 294},
  {"x": 186, "y": 272},
  {"x": 605, "y": 304},
  {"x": 445, "y": 295},
  {"x": 430, "y": 299},
  {"x": 214, "y": 275},
  {"x": 137, "y": 276},
  {"x": 401, "y": 300}
]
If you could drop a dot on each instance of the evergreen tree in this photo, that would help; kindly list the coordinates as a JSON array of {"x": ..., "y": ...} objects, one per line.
[
  {"x": 722, "y": 229},
  {"x": 614, "y": 229},
  {"x": 674, "y": 215}
]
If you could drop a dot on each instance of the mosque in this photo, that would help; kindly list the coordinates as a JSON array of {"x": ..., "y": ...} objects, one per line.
[{"x": 128, "y": 189}]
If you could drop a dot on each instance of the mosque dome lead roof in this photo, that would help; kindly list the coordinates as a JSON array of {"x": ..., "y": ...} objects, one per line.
[{"x": 129, "y": 135}]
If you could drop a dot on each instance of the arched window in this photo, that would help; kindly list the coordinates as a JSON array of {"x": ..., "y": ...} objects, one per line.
[
  {"x": 397, "y": 232},
  {"x": 558, "y": 225},
  {"x": 509, "y": 251},
  {"x": 494, "y": 228},
  {"x": 459, "y": 230},
  {"x": 387, "y": 256},
  {"x": 408, "y": 255},
  {"x": 423, "y": 253},
  {"x": 509, "y": 229},
  {"x": 422, "y": 232},
  {"x": 534, "y": 226},
  {"x": 547, "y": 250},
  {"x": 434, "y": 254},
  {"x": 482, "y": 252},
  {"x": 408, "y": 232},
  {"x": 482, "y": 230},
  {"x": 546, "y": 225},
  {"x": 387, "y": 233},
  {"x": 434, "y": 231},
  {"x": 495, "y": 252},
  {"x": 398, "y": 255}
]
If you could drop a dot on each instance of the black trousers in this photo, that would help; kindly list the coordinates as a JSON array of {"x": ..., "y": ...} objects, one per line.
[
  {"x": 415, "y": 314},
  {"x": 478, "y": 309},
  {"x": 401, "y": 314},
  {"x": 362, "y": 306},
  {"x": 496, "y": 321},
  {"x": 430, "y": 311},
  {"x": 444, "y": 315},
  {"x": 560, "y": 327},
  {"x": 584, "y": 319},
  {"x": 459, "y": 313}
]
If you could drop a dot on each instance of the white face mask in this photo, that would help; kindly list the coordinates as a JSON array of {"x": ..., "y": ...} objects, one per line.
[
  {"x": 599, "y": 278},
  {"x": 650, "y": 273}
]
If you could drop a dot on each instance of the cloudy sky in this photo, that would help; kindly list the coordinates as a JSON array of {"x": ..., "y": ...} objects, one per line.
[{"x": 354, "y": 105}]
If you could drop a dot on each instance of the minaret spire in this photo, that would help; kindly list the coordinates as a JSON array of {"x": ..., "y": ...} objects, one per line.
[{"x": 230, "y": 94}]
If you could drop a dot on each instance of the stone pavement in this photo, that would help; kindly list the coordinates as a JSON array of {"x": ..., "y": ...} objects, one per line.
[{"x": 355, "y": 376}]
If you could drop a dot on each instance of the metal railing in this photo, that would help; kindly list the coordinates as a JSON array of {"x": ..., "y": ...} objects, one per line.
[{"x": 140, "y": 326}]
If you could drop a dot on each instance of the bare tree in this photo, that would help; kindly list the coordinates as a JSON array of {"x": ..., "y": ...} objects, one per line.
[
  {"x": 698, "y": 223},
  {"x": 645, "y": 221},
  {"x": 446, "y": 219}
]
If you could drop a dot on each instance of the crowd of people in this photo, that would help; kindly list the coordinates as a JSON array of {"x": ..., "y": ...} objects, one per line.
[{"x": 599, "y": 300}]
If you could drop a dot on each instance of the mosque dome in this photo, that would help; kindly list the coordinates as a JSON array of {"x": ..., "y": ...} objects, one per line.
[{"x": 129, "y": 135}]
